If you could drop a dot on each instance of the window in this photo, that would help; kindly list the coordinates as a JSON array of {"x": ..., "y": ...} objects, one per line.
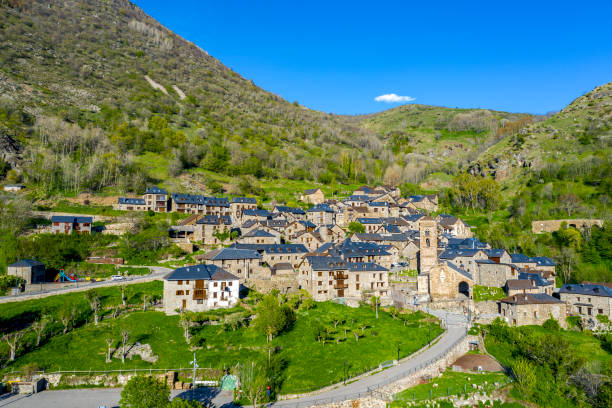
[
  {"x": 215, "y": 295},
  {"x": 580, "y": 309},
  {"x": 357, "y": 277},
  {"x": 320, "y": 283},
  {"x": 181, "y": 282},
  {"x": 200, "y": 301},
  {"x": 320, "y": 274},
  {"x": 589, "y": 300},
  {"x": 186, "y": 292},
  {"x": 229, "y": 283},
  {"x": 186, "y": 282},
  {"x": 356, "y": 286},
  {"x": 216, "y": 284},
  {"x": 179, "y": 293},
  {"x": 578, "y": 298}
]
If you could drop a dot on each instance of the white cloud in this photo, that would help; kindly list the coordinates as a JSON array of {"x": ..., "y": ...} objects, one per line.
[{"x": 393, "y": 98}]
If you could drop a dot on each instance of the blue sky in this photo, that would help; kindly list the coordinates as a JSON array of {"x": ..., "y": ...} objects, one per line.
[{"x": 335, "y": 56}]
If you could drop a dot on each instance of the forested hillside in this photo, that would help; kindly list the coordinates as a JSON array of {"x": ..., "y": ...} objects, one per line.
[{"x": 98, "y": 96}]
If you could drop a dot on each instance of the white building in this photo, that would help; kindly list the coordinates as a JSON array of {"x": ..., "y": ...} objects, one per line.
[{"x": 199, "y": 288}]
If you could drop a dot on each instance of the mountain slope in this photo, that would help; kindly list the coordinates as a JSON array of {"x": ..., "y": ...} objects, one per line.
[{"x": 152, "y": 106}]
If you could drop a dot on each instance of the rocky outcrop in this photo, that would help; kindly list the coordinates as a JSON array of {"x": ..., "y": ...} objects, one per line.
[{"x": 9, "y": 148}]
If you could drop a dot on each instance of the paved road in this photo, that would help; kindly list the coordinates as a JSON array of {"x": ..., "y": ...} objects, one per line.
[
  {"x": 108, "y": 397},
  {"x": 157, "y": 272},
  {"x": 457, "y": 325}
]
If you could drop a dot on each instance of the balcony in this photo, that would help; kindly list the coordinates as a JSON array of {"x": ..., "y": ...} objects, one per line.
[
  {"x": 199, "y": 294},
  {"x": 341, "y": 276},
  {"x": 341, "y": 286}
]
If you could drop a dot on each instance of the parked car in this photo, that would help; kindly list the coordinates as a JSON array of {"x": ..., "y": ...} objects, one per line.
[{"x": 117, "y": 277}]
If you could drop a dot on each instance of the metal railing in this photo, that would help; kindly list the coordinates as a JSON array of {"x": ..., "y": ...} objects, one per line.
[{"x": 373, "y": 390}]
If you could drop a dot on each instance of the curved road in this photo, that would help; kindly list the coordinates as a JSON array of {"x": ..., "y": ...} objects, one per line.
[
  {"x": 457, "y": 327},
  {"x": 157, "y": 272}
]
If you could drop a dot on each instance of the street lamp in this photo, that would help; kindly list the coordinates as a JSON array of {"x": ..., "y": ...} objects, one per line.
[
  {"x": 195, "y": 365},
  {"x": 398, "y": 351},
  {"x": 344, "y": 372},
  {"x": 429, "y": 333}
]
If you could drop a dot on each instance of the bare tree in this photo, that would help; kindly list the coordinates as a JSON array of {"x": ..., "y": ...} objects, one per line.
[
  {"x": 39, "y": 328},
  {"x": 568, "y": 259},
  {"x": 94, "y": 302},
  {"x": 115, "y": 312},
  {"x": 65, "y": 318},
  {"x": 185, "y": 323},
  {"x": 144, "y": 302},
  {"x": 125, "y": 336},
  {"x": 109, "y": 344},
  {"x": 14, "y": 341},
  {"x": 569, "y": 202},
  {"x": 356, "y": 336}
]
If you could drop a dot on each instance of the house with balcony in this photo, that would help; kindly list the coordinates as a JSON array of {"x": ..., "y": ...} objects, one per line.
[
  {"x": 156, "y": 199},
  {"x": 131, "y": 204},
  {"x": 199, "y": 288}
]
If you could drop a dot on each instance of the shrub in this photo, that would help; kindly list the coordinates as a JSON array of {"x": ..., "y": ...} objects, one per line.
[{"x": 552, "y": 325}]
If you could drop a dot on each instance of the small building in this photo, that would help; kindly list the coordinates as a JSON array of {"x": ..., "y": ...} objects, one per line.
[
  {"x": 30, "y": 270},
  {"x": 588, "y": 299},
  {"x": 425, "y": 202},
  {"x": 244, "y": 263},
  {"x": 131, "y": 204},
  {"x": 65, "y": 224},
  {"x": 522, "y": 286},
  {"x": 321, "y": 214},
  {"x": 156, "y": 199},
  {"x": 313, "y": 196},
  {"x": 260, "y": 236},
  {"x": 239, "y": 204},
  {"x": 199, "y": 288},
  {"x": 532, "y": 309},
  {"x": 13, "y": 188}
]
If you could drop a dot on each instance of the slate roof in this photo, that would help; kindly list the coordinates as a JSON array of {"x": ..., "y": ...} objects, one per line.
[
  {"x": 326, "y": 263},
  {"x": 454, "y": 253},
  {"x": 351, "y": 249},
  {"x": 200, "y": 272},
  {"x": 200, "y": 199},
  {"x": 367, "y": 220},
  {"x": 244, "y": 200},
  {"x": 519, "y": 284},
  {"x": 311, "y": 191},
  {"x": 355, "y": 197},
  {"x": 520, "y": 258},
  {"x": 273, "y": 248},
  {"x": 291, "y": 210},
  {"x": 256, "y": 213},
  {"x": 258, "y": 233},
  {"x": 127, "y": 200},
  {"x": 494, "y": 253},
  {"x": 416, "y": 198},
  {"x": 543, "y": 261},
  {"x": 465, "y": 243},
  {"x": 155, "y": 190},
  {"x": 231, "y": 254},
  {"x": 413, "y": 217},
  {"x": 586, "y": 289},
  {"x": 215, "y": 220},
  {"x": 71, "y": 219},
  {"x": 369, "y": 237},
  {"x": 539, "y": 280},
  {"x": 26, "y": 263},
  {"x": 307, "y": 224},
  {"x": 378, "y": 204},
  {"x": 530, "y": 299},
  {"x": 321, "y": 208},
  {"x": 394, "y": 229},
  {"x": 365, "y": 266},
  {"x": 457, "y": 269}
]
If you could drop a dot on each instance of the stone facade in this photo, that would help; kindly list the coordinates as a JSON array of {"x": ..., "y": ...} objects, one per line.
[
  {"x": 198, "y": 295},
  {"x": 313, "y": 196},
  {"x": 494, "y": 274},
  {"x": 532, "y": 309},
  {"x": 540, "y": 226},
  {"x": 591, "y": 301},
  {"x": 30, "y": 270},
  {"x": 446, "y": 282},
  {"x": 428, "y": 253}
]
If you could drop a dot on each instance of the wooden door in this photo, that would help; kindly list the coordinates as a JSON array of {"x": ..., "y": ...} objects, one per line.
[{"x": 184, "y": 303}]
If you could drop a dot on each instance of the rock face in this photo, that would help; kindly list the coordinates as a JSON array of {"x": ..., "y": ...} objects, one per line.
[{"x": 9, "y": 148}]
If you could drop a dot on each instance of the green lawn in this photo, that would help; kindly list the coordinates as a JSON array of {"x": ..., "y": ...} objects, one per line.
[
  {"x": 308, "y": 364},
  {"x": 450, "y": 383},
  {"x": 482, "y": 293}
]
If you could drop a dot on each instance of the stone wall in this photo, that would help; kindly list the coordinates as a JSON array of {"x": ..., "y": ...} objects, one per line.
[{"x": 540, "y": 226}]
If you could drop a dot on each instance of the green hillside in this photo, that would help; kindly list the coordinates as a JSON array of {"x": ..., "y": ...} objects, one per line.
[{"x": 99, "y": 97}]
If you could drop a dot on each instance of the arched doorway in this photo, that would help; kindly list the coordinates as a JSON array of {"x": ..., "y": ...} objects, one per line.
[{"x": 464, "y": 289}]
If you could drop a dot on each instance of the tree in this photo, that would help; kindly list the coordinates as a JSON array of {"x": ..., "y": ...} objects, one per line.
[
  {"x": 144, "y": 392},
  {"x": 109, "y": 344},
  {"x": 272, "y": 317},
  {"x": 178, "y": 402},
  {"x": 569, "y": 202},
  {"x": 14, "y": 342},
  {"x": 39, "y": 328},
  {"x": 524, "y": 373},
  {"x": 551, "y": 324},
  {"x": 125, "y": 336},
  {"x": 123, "y": 290},
  {"x": 185, "y": 322},
  {"x": 94, "y": 301},
  {"x": 252, "y": 381},
  {"x": 66, "y": 318},
  {"x": 356, "y": 228},
  {"x": 144, "y": 302}
]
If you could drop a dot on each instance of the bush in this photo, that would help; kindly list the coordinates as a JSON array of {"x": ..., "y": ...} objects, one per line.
[
  {"x": 552, "y": 325},
  {"x": 144, "y": 392}
]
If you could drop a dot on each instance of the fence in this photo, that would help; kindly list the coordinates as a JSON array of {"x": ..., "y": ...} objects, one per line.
[
  {"x": 126, "y": 371},
  {"x": 444, "y": 392}
]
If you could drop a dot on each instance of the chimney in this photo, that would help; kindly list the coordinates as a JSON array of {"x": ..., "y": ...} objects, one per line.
[{"x": 324, "y": 231}]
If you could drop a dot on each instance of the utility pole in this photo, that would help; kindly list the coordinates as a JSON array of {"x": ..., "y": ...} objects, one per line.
[{"x": 195, "y": 365}]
